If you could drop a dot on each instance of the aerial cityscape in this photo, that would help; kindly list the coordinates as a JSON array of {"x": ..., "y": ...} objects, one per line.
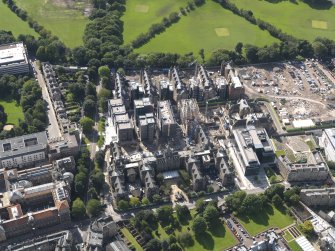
[{"x": 173, "y": 125}]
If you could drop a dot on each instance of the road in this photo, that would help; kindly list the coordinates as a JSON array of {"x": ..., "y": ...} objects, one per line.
[{"x": 53, "y": 128}]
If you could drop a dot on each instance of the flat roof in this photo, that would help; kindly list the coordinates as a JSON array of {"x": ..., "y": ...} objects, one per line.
[
  {"x": 12, "y": 53},
  {"x": 236, "y": 81},
  {"x": 23, "y": 144},
  {"x": 305, "y": 244},
  {"x": 331, "y": 136},
  {"x": 303, "y": 123}
]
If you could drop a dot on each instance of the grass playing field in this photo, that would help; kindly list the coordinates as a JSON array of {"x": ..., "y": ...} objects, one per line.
[
  {"x": 141, "y": 14},
  {"x": 209, "y": 27},
  {"x": 14, "y": 111},
  {"x": 270, "y": 217},
  {"x": 10, "y": 22},
  {"x": 297, "y": 19},
  {"x": 66, "y": 22}
]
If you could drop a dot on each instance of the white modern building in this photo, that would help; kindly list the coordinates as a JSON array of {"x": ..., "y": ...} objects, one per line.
[
  {"x": 13, "y": 59},
  {"x": 328, "y": 143}
]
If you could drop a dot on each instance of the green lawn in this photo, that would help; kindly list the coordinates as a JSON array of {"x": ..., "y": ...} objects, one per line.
[
  {"x": 14, "y": 112},
  {"x": 131, "y": 239},
  {"x": 294, "y": 246},
  {"x": 66, "y": 22},
  {"x": 220, "y": 238},
  {"x": 288, "y": 236},
  {"x": 269, "y": 217},
  {"x": 141, "y": 14},
  {"x": 210, "y": 27},
  {"x": 10, "y": 22},
  {"x": 297, "y": 19}
]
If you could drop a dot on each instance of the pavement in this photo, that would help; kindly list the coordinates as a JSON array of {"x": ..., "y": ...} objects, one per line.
[{"x": 53, "y": 129}]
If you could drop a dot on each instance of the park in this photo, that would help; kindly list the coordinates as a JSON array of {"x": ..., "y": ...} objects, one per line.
[{"x": 65, "y": 21}]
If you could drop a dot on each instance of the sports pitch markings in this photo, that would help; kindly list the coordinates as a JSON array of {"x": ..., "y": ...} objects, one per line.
[
  {"x": 142, "y": 8},
  {"x": 318, "y": 24},
  {"x": 222, "y": 32}
]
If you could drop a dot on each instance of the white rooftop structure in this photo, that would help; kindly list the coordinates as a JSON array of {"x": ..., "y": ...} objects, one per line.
[
  {"x": 236, "y": 81},
  {"x": 303, "y": 123},
  {"x": 13, "y": 59},
  {"x": 12, "y": 53},
  {"x": 305, "y": 244}
]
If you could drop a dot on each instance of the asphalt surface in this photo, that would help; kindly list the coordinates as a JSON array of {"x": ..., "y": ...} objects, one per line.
[{"x": 53, "y": 128}]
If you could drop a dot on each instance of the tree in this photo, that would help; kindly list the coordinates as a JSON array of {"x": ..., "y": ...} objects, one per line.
[
  {"x": 291, "y": 192},
  {"x": 254, "y": 203},
  {"x": 251, "y": 53},
  {"x": 89, "y": 107},
  {"x": 277, "y": 201},
  {"x": 199, "y": 225},
  {"x": 153, "y": 245},
  {"x": 93, "y": 207},
  {"x": 174, "y": 247},
  {"x": 307, "y": 228},
  {"x": 200, "y": 205},
  {"x": 87, "y": 124},
  {"x": 156, "y": 198},
  {"x": 202, "y": 55},
  {"x": 103, "y": 95},
  {"x": 78, "y": 209},
  {"x": 182, "y": 212},
  {"x": 100, "y": 159},
  {"x": 275, "y": 189},
  {"x": 234, "y": 201},
  {"x": 294, "y": 199},
  {"x": 104, "y": 71},
  {"x": 164, "y": 213},
  {"x": 134, "y": 202},
  {"x": 123, "y": 205},
  {"x": 92, "y": 193},
  {"x": 97, "y": 178},
  {"x": 211, "y": 216},
  {"x": 3, "y": 115},
  {"x": 320, "y": 50},
  {"x": 145, "y": 201},
  {"x": 239, "y": 47},
  {"x": 185, "y": 239}
]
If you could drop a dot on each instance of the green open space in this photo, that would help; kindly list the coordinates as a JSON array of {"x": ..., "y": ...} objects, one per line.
[
  {"x": 141, "y": 14},
  {"x": 13, "y": 110},
  {"x": 209, "y": 27},
  {"x": 288, "y": 236},
  {"x": 265, "y": 219},
  {"x": 294, "y": 246},
  {"x": 65, "y": 19},
  {"x": 11, "y": 22},
  {"x": 131, "y": 239},
  {"x": 298, "y": 19},
  {"x": 217, "y": 239}
]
